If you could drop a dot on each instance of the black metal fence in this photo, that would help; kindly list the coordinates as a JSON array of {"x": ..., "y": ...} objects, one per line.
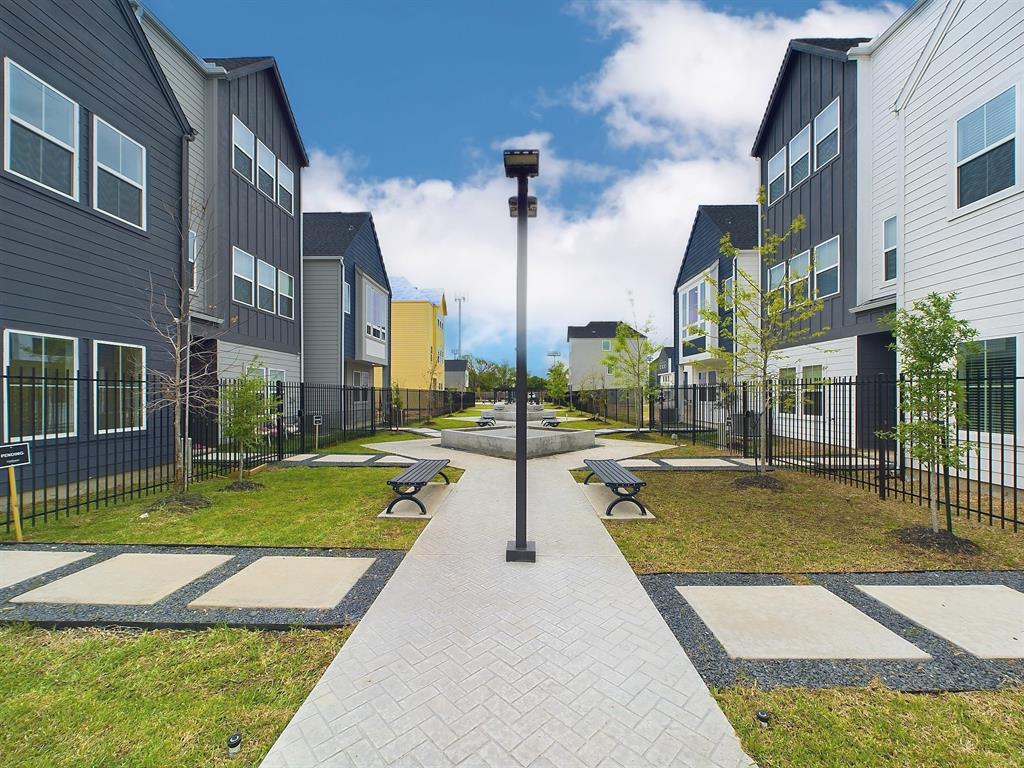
[
  {"x": 98, "y": 441},
  {"x": 615, "y": 405},
  {"x": 843, "y": 429}
]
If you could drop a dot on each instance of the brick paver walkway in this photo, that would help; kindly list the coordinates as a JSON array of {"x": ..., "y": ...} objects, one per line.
[{"x": 465, "y": 660}]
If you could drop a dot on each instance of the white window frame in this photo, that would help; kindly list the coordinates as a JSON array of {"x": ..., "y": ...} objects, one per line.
[
  {"x": 895, "y": 247},
  {"x": 347, "y": 298},
  {"x": 606, "y": 345},
  {"x": 781, "y": 405},
  {"x": 782, "y": 282},
  {"x": 260, "y": 147},
  {"x": 700, "y": 285},
  {"x": 369, "y": 327},
  {"x": 8, "y": 118},
  {"x": 982, "y": 98},
  {"x": 290, "y": 186},
  {"x": 281, "y": 293},
  {"x": 193, "y": 238},
  {"x": 96, "y": 386},
  {"x": 781, "y": 174},
  {"x": 96, "y": 165},
  {"x": 805, "y": 278},
  {"x": 6, "y": 369},
  {"x": 251, "y": 153},
  {"x": 808, "y": 385},
  {"x": 839, "y": 134},
  {"x": 981, "y": 435},
  {"x": 272, "y": 286},
  {"x": 837, "y": 266},
  {"x": 790, "y": 161},
  {"x": 234, "y": 273}
]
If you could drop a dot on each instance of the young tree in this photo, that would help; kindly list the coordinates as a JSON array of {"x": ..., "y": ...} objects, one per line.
[
  {"x": 764, "y": 319},
  {"x": 246, "y": 406},
  {"x": 629, "y": 360},
  {"x": 557, "y": 384},
  {"x": 928, "y": 342},
  {"x": 592, "y": 390}
]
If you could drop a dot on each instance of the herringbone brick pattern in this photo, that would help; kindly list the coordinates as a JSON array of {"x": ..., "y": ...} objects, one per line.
[{"x": 465, "y": 660}]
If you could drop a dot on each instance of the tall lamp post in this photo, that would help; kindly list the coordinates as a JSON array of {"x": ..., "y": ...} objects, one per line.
[{"x": 521, "y": 165}]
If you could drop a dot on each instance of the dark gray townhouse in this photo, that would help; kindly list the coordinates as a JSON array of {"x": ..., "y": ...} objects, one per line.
[
  {"x": 91, "y": 195},
  {"x": 244, "y": 207},
  {"x": 348, "y": 301}
]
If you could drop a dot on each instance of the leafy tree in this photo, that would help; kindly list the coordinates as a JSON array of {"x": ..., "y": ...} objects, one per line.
[
  {"x": 629, "y": 360},
  {"x": 592, "y": 391},
  {"x": 557, "y": 384},
  {"x": 761, "y": 321},
  {"x": 246, "y": 405},
  {"x": 928, "y": 341},
  {"x": 397, "y": 404}
]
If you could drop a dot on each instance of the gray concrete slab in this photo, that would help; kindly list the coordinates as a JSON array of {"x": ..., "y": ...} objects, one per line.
[
  {"x": 128, "y": 579},
  {"x": 599, "y": 497},
  {"x": 433, "y": 496},
  {"x": 639, "y": 464},
  {"x": 793, "y": 622},
  {"x": 986, "y": 620},
  {"x": 394, "y": 461},
  {"x": 344, "y": 458},
  {"x": 700, "y": 463},
  {"x": 287, "y": 582},
  {"x": 19, "y": 565},
  {"x": 299, "y": 457}
]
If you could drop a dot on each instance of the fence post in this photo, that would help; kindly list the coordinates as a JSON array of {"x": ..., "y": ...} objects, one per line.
[
  {"x": 746, "y": 422},
  {"x": 302, "y": 417},
  {"x": 373, "y": 410},
  {"x": 344, "y": 413},
  {"x": 279, "y": 386},
  {"x": 693, "y": 413}
]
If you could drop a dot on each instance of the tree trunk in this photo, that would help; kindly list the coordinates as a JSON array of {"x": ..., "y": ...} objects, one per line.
[{"x": 933, "y": 496}]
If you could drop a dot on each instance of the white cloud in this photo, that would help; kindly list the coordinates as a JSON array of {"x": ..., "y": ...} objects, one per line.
[{"x": 683, "y": 78}]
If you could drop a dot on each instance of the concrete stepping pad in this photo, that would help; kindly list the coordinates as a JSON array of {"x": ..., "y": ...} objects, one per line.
[
  {"x": 344, "y": 458},
  {"x": 301, "y": 457},
  {"x": 128, "y": 579},
  {"x": 308, "y": 583},
  {"x": 395, "y": 461},
  {"x": 700, "y": 463},
  {"x": 986, "y": 620},
  {"x": 638, "y": 463},
  {"x": 601, "y": 496},
  {"x": 433, "y": 496},
  {"x": 793, "y": 622},
  {"x": 20, "y": 565}
]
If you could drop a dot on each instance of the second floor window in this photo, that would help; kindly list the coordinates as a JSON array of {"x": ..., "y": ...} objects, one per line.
[
  {"x": 777, "y": 176},
  {"x": 826, "y": 268},
  {"x": 285, "y": 187},
  {"x": 119, "y": 175},
  {"x": 243, "y": 148},
  {"x": 266, "y": 168},
  {"x": 376, "y": 312},
  {"x": 42, "y": 133},
  {"x": 986, "y": 153},
  {"x": 799, "y": 277},
  {"x": 243, "y": 276},
  {"x": 800, "y": 157},
  {"x": 889, "y": 249},
  {"x": 266, "y": 296},
  {"x": 826, "y": 134},
  {"x": 285, "y": 295},
  {"x": 776, "y": 276},
  {"x": 347, "y": 299}
]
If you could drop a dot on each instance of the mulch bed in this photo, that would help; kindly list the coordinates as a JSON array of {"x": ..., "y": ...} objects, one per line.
[
  {"x": 925, "y": 538},
  {"x": 764, "y": 482}
]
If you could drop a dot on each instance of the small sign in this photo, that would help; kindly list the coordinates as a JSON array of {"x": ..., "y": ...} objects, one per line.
[
  {"x": 15, "y": 455},
  {"x": 318, "y": 421}
]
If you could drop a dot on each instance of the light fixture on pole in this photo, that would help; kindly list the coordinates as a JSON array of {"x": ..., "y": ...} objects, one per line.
[{"x": 521, "y": 165}]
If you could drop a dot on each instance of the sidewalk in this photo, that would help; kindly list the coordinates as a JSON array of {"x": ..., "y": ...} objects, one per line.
[{"x": 466, "y": 660}]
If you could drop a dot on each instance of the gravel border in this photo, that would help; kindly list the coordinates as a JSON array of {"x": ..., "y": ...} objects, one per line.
[
  {"x": 950, "y": 669},
  {"x": 171, "y": 611}
]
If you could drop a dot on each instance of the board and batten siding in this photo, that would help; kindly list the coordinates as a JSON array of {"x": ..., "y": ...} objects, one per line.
[
  {"x": 363, "y": 256},
  {"x": 67, "y": 268},
  {"x": 323, "y": 320},
  {"x": 248, "y": 219}
]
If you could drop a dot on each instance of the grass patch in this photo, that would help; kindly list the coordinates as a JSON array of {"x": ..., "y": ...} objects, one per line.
[
  {"x": 704, "y": 523},
  {"x": 91, "y": 698},
  {"x": 684, "y": 448},
  {"x": 299, "y": 506},
  {"x": 879, "y": 728},
  {"x": 358, "y": 444}
]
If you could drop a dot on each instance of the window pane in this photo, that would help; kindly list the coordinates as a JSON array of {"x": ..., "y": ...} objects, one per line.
[
  {"x": 108, "y": 147},
  {"x": 970, "y": 133},
  {"x": 26, "y": 97},
  {"x": 131, "y": 161},
  {"x": 776, "y": 189},
  {"x": 827, "y": 148},
  {"x": 987, "y": 174},
  {"x": 787, "y": 390},
  {"x": 828, "y": 282},
  {"x": 1000, "y": 117},
  {"x": 826, "y": 255},
  {"x": 108, "y": 361},
  {"x": 243, "y": 164},
  {"x": 265, "y": 182},
  {"x": 244, "y": 264},
  {"x": 56, "y": 171},
  {"x": 826, "y": 121},
  {"x": 889, "y": 233},
  {"x": 801, "y": 169},
  {"x": 242, "y": 290},
  {"x": 988, "y": 370},
  {"x": 118, "y": 197},
  {"x": 40, "y": 160},
  {"x": 799, "y": 265},
  {"x": 41, "y": 391},
  {"x": 287, "y": 306},
  {"x": 890, "y": 264},
  {"x": 777, "y": 165},
  {"x": 58, "y": 117},
  {"x": 775, "y": 276},
  {"x": 799, "y": 156}
]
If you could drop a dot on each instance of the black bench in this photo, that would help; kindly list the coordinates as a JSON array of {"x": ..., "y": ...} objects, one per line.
[
  {"x": 485, "y": 421},
  {"x": 549, "y": 421},
  {"x": 621, "y": 481},
  {"x": 413, "y": 479}
]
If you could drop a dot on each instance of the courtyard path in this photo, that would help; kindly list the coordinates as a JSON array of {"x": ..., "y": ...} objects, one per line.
[{"x": 466, "y": 660}]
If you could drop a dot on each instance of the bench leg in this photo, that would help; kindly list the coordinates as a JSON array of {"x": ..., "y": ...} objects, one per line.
[
  {"x": 626, "y": 496},
  {"x": 446, "y": 480},
  {"x": 406, "y": 497},
  {"x": 587, "y": 478}
]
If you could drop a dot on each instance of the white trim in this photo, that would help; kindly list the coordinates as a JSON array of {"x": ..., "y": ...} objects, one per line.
[
  {"x": 280, "y": 293},
  {"x": 783, "y": 175},
  {"x": 251, "y": 154},
  {"x": 272, "y": 172},
  {"x": 273, "y": 286},
  {"x": 886, "y": 281},
  {"x": 95, "y": 389},
  {"x": 193, "y": 246},
  {"x": 96, "y": 165},
  {"x": 8, "y": 118},
  {"x": 790, "y": 161},
  {"x": 252, "y": 281},
  {"x": 839, "y": 134},
  {"x": 980, "y": 99},
  {"x": 290, "y": 186},
  {"x": 782, "y": 283},
  {"x": 790, "y": 281},
  {"x": 6, "y": 369},
  {"x": 346, "y": 299},
  {"x": 837, "y": 267}
]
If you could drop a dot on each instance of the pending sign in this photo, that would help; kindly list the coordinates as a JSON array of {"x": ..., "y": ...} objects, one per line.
[{"x": 15, "y": 455}]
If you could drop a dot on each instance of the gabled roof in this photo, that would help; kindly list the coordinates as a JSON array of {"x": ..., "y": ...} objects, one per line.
[
  {"x": 740, "y": 221},
  {"x": 326, "y": 235},
  {"x": 825, "y": 47},
  {"x": 598, "y": 329},
  {"x": 403, "y": 290},
  {"x": 246, "y": 65},
  {"x": 154, "y": 65}
]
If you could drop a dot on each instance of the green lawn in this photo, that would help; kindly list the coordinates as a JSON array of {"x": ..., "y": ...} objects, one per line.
[
  {"x": 673, "y": 448},
  {"x": 91, "y": 698},
  {"x": 703, "y": 523},
  {"x": 299, "y": 506},
  {"x": 879, "y": 728},
  {"x": 358, "y": 444}
]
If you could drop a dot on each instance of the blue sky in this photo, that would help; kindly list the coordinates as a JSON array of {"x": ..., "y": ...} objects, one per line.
[{"x": 407, "y": 105}]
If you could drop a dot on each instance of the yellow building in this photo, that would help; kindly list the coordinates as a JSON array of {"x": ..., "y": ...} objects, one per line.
[{"x": 417, "y": 336}]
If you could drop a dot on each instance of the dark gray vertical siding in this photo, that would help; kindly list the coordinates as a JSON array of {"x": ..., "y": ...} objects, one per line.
[
  {"x": 363, "y": 254},
  {"x": 255, "y": 223},
  {"x": 828, "y": 198},
  {"x": 702, "y": 250},
  {"x": 66, "y": 268}
]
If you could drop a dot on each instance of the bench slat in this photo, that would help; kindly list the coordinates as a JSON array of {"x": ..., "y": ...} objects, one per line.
[
  {"x": 420, "y": 472},
  {"x": 610, "y": 471}
]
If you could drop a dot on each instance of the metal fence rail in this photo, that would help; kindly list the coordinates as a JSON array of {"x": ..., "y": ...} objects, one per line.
[{"x": 99, "y": 441}]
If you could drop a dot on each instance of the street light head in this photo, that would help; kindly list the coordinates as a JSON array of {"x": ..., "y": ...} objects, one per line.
[
  {"x": 531, "y": 207},
  {"x": 522, "y": 162}
]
